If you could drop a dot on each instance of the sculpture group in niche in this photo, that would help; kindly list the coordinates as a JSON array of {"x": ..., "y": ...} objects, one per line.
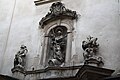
[
  {"x": 19, "y": 60},
  {"x": 57, "y": 36},
  {"x": 90, "y": 47},
  {"x": 57, "y": 48}
]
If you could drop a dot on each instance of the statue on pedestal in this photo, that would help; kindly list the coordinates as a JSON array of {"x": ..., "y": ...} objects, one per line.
[
  {"x": 20, "y": 57},
  {"x": 90, "y": 47}
]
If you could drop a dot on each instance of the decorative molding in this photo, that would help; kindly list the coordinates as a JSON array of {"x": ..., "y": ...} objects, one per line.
[
  {"x": 81, "y": 72},
  {"x": 48, "y": 70},
  {"x": 57, "y": 11},
  {"x": 40, "y": 2}
]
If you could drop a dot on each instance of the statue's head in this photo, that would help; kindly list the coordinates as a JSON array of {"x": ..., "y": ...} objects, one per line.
[
  {"x": 23, "y": 47},
  {"x": 59, "y": 33},
  {"x": 89, "y": 38},
  {"x": 83, "y": 42}
]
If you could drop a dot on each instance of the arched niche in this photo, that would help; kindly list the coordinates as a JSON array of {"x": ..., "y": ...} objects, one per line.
[
  {"x": 58, "y": 27},
  {"x": 56, "y": 46}
]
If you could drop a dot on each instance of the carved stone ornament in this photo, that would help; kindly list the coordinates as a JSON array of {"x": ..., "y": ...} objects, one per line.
[
  {"x": 57, "y": 46},
  {"x": 90, "y": 47},
  {"x": 57, "y": 11},
  {"x": 19, "y": 60}
]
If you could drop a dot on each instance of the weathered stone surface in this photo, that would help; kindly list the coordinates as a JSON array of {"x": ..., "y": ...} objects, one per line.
[
  {"x": 83, "y": 72},
  {"x": 99, "y": 18},
  {"x": 87, "y": 72},
  {"x": 46, "y": 73}
]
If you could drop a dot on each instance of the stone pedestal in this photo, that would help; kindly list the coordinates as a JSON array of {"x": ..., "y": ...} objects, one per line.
[
  {"x": 94, "y": 61},
  {"x": 18, "y": 72},
  {"x": 87, "y": 72},
  {"x": 18, "y": 69}
]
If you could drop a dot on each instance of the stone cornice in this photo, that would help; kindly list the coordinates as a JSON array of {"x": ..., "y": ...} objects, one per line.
[{"x": 44, "y": 70}]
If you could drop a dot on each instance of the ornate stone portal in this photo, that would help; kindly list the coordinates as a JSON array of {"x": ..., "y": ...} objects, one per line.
[
  {"x": 58, "y": 29},
  {"x": 90, "y": 47}
]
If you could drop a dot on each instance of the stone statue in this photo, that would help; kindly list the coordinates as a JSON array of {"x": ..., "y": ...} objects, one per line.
[
  {"x": 20, "y": 57},
  {"x": 90, "y": 47},
  {"x": 57, "y": 8},
  {"x": 58, "y": 48}
]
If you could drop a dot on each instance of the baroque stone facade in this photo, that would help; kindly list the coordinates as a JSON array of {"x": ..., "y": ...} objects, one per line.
[{"x": 55, "y": 40}]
